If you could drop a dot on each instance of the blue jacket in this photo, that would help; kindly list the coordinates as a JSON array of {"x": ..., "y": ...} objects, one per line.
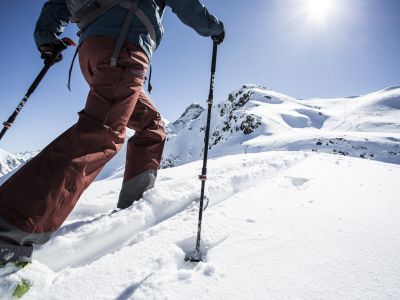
[{"x": 55, "y": 17}]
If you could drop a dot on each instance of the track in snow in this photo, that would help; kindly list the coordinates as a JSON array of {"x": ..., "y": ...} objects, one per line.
[{"x": 84, "y": 241}]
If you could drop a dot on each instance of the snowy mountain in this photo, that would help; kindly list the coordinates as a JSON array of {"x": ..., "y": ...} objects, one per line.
[
  {"x": 10, "y": 162},
  {"x": 255, "y": 119},
  {"x": 304, "y": 201}
]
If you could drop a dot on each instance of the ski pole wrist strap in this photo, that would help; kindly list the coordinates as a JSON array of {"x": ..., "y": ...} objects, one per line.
[{"x": 124, "y": 31}]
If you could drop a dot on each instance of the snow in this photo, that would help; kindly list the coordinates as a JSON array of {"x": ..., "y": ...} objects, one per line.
[
  {"x": 304, "y": 201},
  {"x": 277, "y": 226},
  {"x": 10, "y": 162}
]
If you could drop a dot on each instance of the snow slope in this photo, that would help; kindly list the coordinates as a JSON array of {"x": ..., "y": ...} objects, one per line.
[
  {"x": 280, "y": 225},
  {"x": 304, "y": 196}
]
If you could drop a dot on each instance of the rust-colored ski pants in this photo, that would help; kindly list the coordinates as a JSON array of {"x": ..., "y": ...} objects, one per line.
[{"x": 40, "y": 196}]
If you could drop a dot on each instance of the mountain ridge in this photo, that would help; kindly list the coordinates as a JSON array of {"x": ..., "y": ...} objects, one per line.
[{"x": 255, "y": 118}]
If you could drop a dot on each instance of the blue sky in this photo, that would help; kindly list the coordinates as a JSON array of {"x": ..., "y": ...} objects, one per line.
[{"x": 274, "y": 43}]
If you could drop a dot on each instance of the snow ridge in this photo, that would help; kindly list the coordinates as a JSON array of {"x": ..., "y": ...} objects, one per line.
[{"x": 255, "y": 119}]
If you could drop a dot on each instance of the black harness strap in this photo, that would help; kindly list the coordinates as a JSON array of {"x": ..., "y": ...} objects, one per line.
[{"x": 72, "y": 66}]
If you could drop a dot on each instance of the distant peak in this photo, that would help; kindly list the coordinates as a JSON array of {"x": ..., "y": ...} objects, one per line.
[{"x": 192, "y": 112}]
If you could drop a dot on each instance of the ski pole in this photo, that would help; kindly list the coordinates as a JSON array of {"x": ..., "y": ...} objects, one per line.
[
  {"x": 196, "y": 256},
  {"x": 7, "y": 125}
]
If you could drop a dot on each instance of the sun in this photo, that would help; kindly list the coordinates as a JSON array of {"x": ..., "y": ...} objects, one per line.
[{"x": 318, "y": 10}]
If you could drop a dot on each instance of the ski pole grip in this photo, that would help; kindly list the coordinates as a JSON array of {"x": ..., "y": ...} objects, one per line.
[{"x": 65, "y": 43}]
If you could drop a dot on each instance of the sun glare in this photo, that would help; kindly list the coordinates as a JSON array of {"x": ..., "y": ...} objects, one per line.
[{"x": 318, "y": 10}]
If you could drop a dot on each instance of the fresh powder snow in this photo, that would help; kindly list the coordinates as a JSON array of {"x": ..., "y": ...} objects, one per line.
[{"x": 304, "y": 202}]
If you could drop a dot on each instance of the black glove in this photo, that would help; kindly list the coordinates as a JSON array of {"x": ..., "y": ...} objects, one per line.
[
  {"x": 47, "y": 51},
  {"x": 219, "y": 38}
]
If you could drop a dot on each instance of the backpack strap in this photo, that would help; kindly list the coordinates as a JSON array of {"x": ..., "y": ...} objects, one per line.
[
  {"x": 85, "y": 11},
  {"x": 131, "y": 5},
  {"x": 89, "y": 13},
  {"x": 144, "y": 19},
  {"x": 149, "y": 26}
]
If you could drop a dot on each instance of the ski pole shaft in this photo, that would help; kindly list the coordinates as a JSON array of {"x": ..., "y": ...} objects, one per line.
[
  {"x": 203, "y": 176},
  {"x": 7, "y": 125},
  {"x": 10, "y": 121}
]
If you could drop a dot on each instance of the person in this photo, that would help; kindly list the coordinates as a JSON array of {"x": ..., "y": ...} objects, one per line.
[{"x": 38, "y": 198}]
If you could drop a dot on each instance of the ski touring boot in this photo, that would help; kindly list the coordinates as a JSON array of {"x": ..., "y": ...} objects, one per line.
[{"x": 12, "y": 259}]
